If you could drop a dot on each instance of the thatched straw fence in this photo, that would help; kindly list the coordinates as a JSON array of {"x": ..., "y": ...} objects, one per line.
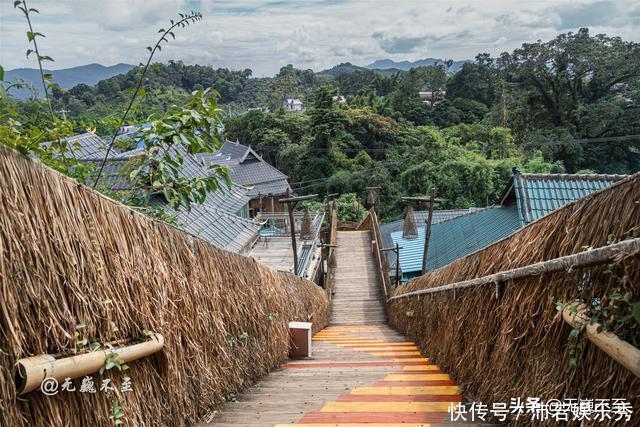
[
  {"x": 516, "y": 345},
  {"x": 71, "y": 257}
]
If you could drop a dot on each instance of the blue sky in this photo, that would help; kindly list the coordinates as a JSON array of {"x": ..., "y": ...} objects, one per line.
[{"x": 265, "y": 35}]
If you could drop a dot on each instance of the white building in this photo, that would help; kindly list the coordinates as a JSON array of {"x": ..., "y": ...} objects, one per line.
[
  {"x": 293, "y": 104},
  {"x": 339, "y": 99},
  {"x": 431, "y": 98}
]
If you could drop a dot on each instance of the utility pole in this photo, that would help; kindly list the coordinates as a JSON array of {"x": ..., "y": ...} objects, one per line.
[
  {"x": 292, "y": 202},
  {"x": 431, "y": 200}
]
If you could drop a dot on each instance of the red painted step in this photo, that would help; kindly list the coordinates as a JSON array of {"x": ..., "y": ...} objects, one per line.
[
  {"x": 399, "y": 398},
  {"x": 373, "y": 417}
]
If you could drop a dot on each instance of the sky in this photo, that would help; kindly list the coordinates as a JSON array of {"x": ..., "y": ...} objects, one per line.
[{"x": 265, "y": 35}]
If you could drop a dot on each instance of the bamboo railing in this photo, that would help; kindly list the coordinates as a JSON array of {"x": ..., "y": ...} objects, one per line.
[
  {"x": 371, "y": 223},
  {"x": 506, "y": 336}
]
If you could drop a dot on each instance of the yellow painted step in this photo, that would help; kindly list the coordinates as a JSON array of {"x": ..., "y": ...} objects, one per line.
[
  {"x": 349, "y": 340},
  {"x": 421, "y": 368},
  {"x": 389, "y": 344},
  {"x": 355, "y": 425},
  {"x": 386, "y": 407},
  {"x": 416, "y": 377},
  {"x": 410, "y": 359},
  {"x": 397, "y": 353},
  {"x": 408, "y": 348},
  {"x": 411, "y": 391}
]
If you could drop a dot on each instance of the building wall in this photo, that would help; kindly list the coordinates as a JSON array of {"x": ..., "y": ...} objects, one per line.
[{"x": 269, "y": 204}]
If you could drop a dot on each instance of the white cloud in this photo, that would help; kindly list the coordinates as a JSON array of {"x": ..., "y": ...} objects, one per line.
[{"x": 265, "y": 34}]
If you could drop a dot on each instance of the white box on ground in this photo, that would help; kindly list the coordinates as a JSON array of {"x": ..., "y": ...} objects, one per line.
[{"x": 300, "y": 333}]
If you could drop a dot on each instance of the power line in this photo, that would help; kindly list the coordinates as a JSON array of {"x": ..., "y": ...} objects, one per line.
[{"x": 621, "y": 138}]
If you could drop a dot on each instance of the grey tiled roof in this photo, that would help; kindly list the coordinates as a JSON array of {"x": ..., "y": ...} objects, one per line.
[
  {"x": 222, "y": 229},
  {"x": 421, "y": 216},
  {"x": 247, "y": 168},
  {"x": 86, "y": 146},
  {"x": 214, "y": 221},
  {"x": 276, "y": 188}
]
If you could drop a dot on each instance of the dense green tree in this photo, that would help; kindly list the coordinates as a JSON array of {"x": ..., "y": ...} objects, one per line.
[
  {"x": 585, "y": 84},
  {"x": 474, "y": 81}
]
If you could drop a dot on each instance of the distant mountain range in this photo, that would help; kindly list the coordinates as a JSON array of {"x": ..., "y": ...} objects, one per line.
[
  {"x": 387, "y": 67},
  {"x": 91, "y": 74},
  {"x": 67, "y": 78},
  {"x": 386, "y": 64},
  {"x": 347, "y": 68}
]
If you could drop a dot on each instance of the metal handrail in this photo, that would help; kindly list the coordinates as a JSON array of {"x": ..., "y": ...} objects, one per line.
[
  {"x": 306, "y": 260},
  {"x": 280, "y": 222}
]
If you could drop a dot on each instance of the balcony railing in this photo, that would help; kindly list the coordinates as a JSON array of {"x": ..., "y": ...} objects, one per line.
[{"x": 278, "y": 223}]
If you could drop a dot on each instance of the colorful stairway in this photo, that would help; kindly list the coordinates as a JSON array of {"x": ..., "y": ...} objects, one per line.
[{"x": 362, "y": 372}]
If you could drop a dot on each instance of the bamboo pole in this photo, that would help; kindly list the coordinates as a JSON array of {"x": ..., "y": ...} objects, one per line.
[
  {"x": 31, "y": 371},
  {"x": 621, "y": 351},
  {"x": 582, "y": 259}
]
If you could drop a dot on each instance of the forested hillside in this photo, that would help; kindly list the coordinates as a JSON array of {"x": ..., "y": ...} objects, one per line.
[{"x": 569, "y": 104}]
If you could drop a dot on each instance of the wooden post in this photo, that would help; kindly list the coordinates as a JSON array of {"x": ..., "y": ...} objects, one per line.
[
  {"x": 396, "y": 250},
  {"x": 372, "y": 197},
  {"x": 292, "y": 202},
  {"x": 431, "y": 200},
  {"x": 397, "y": 265},
  {"x": 427, "y": 234}
]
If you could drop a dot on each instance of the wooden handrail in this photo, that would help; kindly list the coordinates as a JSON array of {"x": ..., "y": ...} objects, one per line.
[
  {"x": 581, "y": 259},
  {"x": 381, "y": 259},
  {"x": 619, "y": 350}
]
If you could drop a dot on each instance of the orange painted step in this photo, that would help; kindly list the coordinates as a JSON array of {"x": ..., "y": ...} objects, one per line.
[
  {"x": 355, "y": 425},
  {"x": 386, "y": 344},
  {"x": 374, "y": 417},
  {"x": 427, "y": 376},
  {"x": 399, "y": 398},
  {"x": 396, "y": 353},
  {"x": 415, "y": 373},
  {"x": 368, "y": 407},
  {"x": 416, "y": 364},
  {"x": 413, "y": 383},
  {"x": 423, "y": 390}
]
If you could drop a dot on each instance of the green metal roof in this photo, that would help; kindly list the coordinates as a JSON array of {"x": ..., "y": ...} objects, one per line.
[
  {"x": 540, "y": 194},
  {"x": 456, "y": 238}
]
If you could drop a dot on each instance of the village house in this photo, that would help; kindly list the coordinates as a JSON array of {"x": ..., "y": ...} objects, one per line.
[
  {"x": 293, "y": 104},
  {"x": 460, "y": 232},
  {"x": 246, "y": 168},
  {"x": 222, "y": 220},
  {"x": 340, "y": 99}
]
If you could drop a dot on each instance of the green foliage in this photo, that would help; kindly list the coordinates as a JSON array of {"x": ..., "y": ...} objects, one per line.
[
  {"x": 116, "y": 414},
  {"x": 350, "y": 208},
  {"x": 464, "y": 141},
  {"x": 537, "y": 164},
  {"x": 619, "y": 314},
  {"x": 183, "y": 131},
  {"x": 113, "y": 360}
]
